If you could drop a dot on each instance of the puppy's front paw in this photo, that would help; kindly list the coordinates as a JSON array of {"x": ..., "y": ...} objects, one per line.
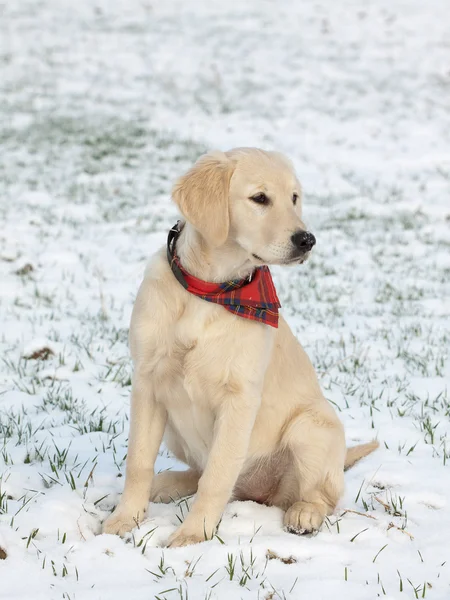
[
  {"x": 184, "y": 538},
  {"x": 121, "y": 521},
  {"x": 304, "y": 517}
]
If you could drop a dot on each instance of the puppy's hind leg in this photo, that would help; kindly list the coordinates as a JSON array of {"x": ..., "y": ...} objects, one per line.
[
  {"x": 314, "y": 483},
  {"x": 173, "y": 485}
]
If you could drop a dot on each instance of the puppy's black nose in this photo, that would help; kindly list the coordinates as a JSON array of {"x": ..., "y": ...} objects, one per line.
[{"x": 303, "y": 240}]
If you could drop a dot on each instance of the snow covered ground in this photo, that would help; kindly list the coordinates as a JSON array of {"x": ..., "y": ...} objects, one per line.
[{"x": 102, "y": 104}]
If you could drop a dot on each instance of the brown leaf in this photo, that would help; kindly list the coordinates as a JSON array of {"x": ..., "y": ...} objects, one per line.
[
  {"x": 41, "y": 354},
  {"x": 271, "y": 555}
]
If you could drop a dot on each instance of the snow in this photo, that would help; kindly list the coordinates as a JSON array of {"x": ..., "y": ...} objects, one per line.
[{"x": 102, "y": 106}]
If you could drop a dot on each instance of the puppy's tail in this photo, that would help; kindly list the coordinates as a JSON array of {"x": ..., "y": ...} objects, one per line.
[{"x": 355, "y": 453}]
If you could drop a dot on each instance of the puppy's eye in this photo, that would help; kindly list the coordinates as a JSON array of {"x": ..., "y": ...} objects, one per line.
[
  {"x": 294, "y": 199},
  {"x": 260, "y": 198}
]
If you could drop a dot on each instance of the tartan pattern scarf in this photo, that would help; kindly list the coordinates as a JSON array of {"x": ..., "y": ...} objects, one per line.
[{"x": 252, "y": 298}]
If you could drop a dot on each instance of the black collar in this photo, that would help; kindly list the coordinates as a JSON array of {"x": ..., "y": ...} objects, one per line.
[{"x": 172, "y": 238}]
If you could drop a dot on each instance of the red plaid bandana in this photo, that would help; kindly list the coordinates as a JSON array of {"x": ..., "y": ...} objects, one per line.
[{"x": 252, "y": 298}]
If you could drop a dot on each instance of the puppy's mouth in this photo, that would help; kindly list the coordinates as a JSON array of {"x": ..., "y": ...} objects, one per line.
[
  {"x": 294, "y": 260},
  {"x": 297, "y": 260}
]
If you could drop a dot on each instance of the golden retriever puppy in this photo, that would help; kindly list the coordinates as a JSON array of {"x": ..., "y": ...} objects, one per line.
[{"x": 217, "y": 372}]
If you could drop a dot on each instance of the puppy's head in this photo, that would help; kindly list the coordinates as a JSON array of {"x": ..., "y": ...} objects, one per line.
[{"x": 247, "y": 197}]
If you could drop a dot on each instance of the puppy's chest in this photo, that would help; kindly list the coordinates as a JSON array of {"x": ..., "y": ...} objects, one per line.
[
  {"x": 185, "y": 373},
  {"x": 185, "y": 384}
]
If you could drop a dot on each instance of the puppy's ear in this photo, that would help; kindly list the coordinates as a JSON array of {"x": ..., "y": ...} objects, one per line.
[{"x": 202, "y": 196}]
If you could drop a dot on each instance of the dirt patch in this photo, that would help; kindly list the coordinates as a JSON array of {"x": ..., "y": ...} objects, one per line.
[{"x": 25, "y": 270}]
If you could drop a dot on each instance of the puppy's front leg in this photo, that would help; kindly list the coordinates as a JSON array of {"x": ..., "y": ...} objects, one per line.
[
  {"x": 233, "y": 429},
  {"x": 148, "y": 421}
]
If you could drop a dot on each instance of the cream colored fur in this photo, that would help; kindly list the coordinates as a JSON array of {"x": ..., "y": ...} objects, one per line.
[{"x": 236, "y": 400}]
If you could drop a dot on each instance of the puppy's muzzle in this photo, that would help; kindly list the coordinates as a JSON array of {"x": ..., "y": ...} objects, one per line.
[{"x": 303, "y": 242}]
